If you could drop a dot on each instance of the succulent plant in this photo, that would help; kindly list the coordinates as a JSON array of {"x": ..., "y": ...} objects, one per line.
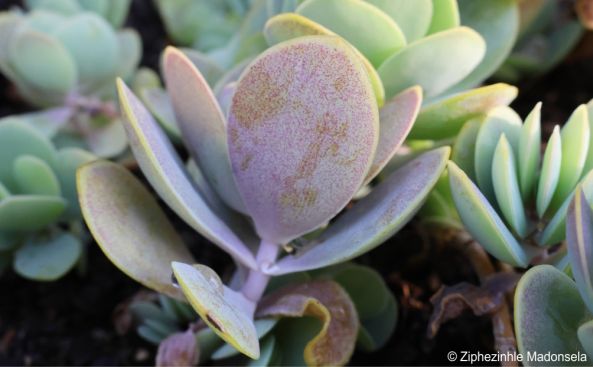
[
  {"x": 40, "y": 222},
  {"x": 114, "y": 12},
  {"x": 303, "y": 133},
  {"x": 510, "y": 199}
]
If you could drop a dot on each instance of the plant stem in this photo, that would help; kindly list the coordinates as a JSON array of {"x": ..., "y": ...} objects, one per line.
[{"x": 257, "y": 281}]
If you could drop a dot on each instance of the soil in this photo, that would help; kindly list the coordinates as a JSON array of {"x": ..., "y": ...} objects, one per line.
[{"x": 71, "y": 321}]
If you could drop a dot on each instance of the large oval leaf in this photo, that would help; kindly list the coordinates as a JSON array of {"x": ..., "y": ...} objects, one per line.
[
  {"x": 529, "y": 151},
  {"x": 163, "y": 168},
  {"x": 130, "y": 227},
  {"x": 310, "y": 95},
  {"x": 482, "y": 221},
  {"x": 30, "y": 212},
  {"x": 202, "y": 124},
  {"x": 412, "y": 17},
  {"x": 372, "y": 220},
  {"x": 458, "y": 50},
  {"x": 550, "y": 173},
  {"x": 377, "y": 40}
]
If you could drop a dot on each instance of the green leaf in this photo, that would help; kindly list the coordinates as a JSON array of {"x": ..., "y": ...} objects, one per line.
[
  {"x": 445, "y": 118},
  {"x": 464, "y": 148},
  {"x": 35, "y": 177},
  {"x": 413, "y": 17},
  {"x": 377, "y": 40},
  {"x": 47, "y": 259},
  {"x": 117, "y": 12},
  {"x": 207, "y": 67},
  {"x": 268, "y": 352},
  {"x": 106, "y": 138},
  {"x": 589, "y": 162},
  {"x": 373, "y": 219},
  {"x": 375, "y": 331},
  {"x": 159, "y": 104},
  {"x": 30, "y": 212},
  {"x": 585, "y": 334},
  {"x": 43, "y": 20},
  {"x": 227, "y": 312},
  {"x": 129, "y": 51},
  {"x": 529, "y": 151},
  {"x": 548, "y": 313},
  {"x": 550, "y": 173},
  {"x": 506, "y": 187},
  {"x": 458, "y": 50},
  {"x": 130, "y": 227},
  {"x": 445, "y": 15},
  {"x": 482, "y": 221},
  {"x": 64, "y": 7},
  {"x": 69, "y": 159},
  {"x": 262, "y": 326}
]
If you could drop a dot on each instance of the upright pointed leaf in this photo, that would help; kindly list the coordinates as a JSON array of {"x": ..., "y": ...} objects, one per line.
[
  {"x": 589, "y": 162},
  {"x": 529, "y": 151},
  {"x": 372, "y": 220},
  {"x": 413, "y": 17},
  {"x": 445, "y": 15},
  {"x": 465, "y": 147},
  {"x": 129, "y": 225},
  {"x": 550, "y": 173},
  {"x": 289, "y": 192}
]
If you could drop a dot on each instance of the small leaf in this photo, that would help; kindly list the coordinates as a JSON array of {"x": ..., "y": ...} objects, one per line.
[
  {"x": 262, "y": 327},
  {"x": 377, "y": 40},
  {"x": 464, "y": 149},
  {"x": 550, "y": 173},
  {"x": 48, "y": 259},
  {"x": 129, "y": 51},
  {"x": 327, "y": 301},
  {"x": 69, "y": 159},
  {"x": 30, "y": 212},
  {"x": 413, "y": 17},
  {"x": 159, "y": 104},
  {"x": 35, "y": 177},
  {"x": 482, "y": 221},
  {"x": 585, "y": 334},
  {"x": 445, "y": 15},
  {"x": 589, "y": 163},
  {"x": 207, "y": 67},
  {"x": 332, "y": 144},
  {"x": 458, "y": 50},
  {"x": 130, "y": 227},
  {"x": 529, "y": 151},
  {"x": 179, "y": 349},
  {"x": 106, "y": 139},
  {"x": 375, "y": 331},
  {"x": 267, "y": 355},
  {"x": 224, "y": 310},
  {"x": 372, "y": 220}
]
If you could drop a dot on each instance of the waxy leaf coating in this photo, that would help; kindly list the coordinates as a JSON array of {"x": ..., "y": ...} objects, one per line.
[
  {"x": 529, "y": 151},
  {"x": 413, "y": 17}
]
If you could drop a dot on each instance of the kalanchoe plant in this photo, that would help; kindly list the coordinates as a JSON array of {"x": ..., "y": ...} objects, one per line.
[
  {"x": 302, "y": 134},
  {"x": 40, "y": 223},
  {"x": 510, "y": 199}
]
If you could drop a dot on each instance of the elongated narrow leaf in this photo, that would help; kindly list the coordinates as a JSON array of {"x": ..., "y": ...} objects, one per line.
[
  {"x": 262, "y": 328},
  {"x": 30, "y": 212},
  {"x": 227, "y": 312},
  {"x": 589, "y": 162},
  {"x": 445, "y": 118},
  {"x": 458, "y": 50},
  {"x": 550, "y": 173},
  {"x": 377, "y": 40},
  {"x": 163, "y": 168},
  {"x": 506, "y": 187},
  {"x": 482, "y": 221},
  {"x": 464, "y": 149},
  {"x": 579, "y": 236},
  {"x": 202, "y": 124},
  {"x": 445, "y": 15},
  {"x": 159, "y": 104},
  {"x": 289, "y": 192},
  {"x": 548, "y": 313},
  {"x": 35, "y": 177},
  {"x": 130, "y": 227},
  {"x": 529, "y": 151},
  {"x": 372, "y": 220},
  {"x": 413, "y": 17},
  {"x": 396, "y": 119}
]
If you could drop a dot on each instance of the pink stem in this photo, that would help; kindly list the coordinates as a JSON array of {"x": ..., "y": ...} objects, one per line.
[{"x": 257, "y": 281}]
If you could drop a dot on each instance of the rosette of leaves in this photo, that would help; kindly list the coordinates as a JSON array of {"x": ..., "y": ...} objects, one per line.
[
  {"x": 509, "y": 196},
  {"x": 40, "y": 220},
  {"x": 303, "y": 133},
  {"x": 82, "y": 55}
]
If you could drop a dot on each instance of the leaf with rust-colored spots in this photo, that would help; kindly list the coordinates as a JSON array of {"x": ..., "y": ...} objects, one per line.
[
  {"x": 227, "y": 312},
  {"x": 451, "y": 301},
  {"x": 397, "y": 118},
  {"x": 202, "y": 124},
  {"x": 327, "y": 301},
  {"x": 303, "y": 129},
  {"x": 129, "y": 226},
  {"x": 373, "y": 219},
  {"x": 164, "y": 170}
]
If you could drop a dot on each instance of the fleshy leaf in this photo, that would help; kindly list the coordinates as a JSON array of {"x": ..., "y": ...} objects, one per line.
[
  {"x": 589, "y": 162},
  {"x": 202, "y": 124},
  {"x": 465, "y": 147},
  {"x": 506, "y": 187},
  {"x": 47, "y": 259},
  {"x": 327, "y": 301},
  {"x": 482, "y": 221},
  {"x": 396, "y": 119},
  {"x": 227, "y": 312},
  {"x": 445, "y": 15},
  {"x": 550, "y": 173},
  {"x": 413, "y": 17},
  {"x": 159, "y": 104},
  {"x": 207, "y": 67},
  {"x": 69, "y": 159},
  {"x": 377, "y": 40},
  {"x": 529, "y": 151},
  {"x": 458, "y": 50},
  {"x": 35, "y": 177},
  {"x": 332, "y": 143},
  {"x": 548, "y": 313},
  {"x": 262, "y": 327},
  {"x": 130, "y": 227},
  {"x": 30, "y": 212},
  {"x": 129, "y": 51},
  {"x": 375, "y": 331},
  {"x": 445, "y": 118},
  {"x": 163, "y": 168},
  {"x": 106, "y": 138},
  {"x": 585, "y": 334},
  {"x": 372, "y": 220}
]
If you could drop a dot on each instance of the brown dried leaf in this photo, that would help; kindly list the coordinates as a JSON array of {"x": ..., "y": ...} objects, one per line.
[
  {"x": 179, "y": 349},
  {"x": 327, "y": 301}
]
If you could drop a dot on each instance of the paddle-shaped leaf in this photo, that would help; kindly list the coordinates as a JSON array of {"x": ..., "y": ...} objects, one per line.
[
  {"x": 482, "y": 221},
  {"x": 396, "y": 120},
  {"x": 313, "y": 94},
  {"x": 412, "y": 17},
  {"x": 445, "y": 15},
  {"x": 163, "y": 168},
  {"x": 377, "y": 40},
  {"x": 585, "y": 334},
  {"x": 35, "y": 177},
  {"x": 445, "y": 118},
  {"x": 30, "y": 212},
  {"x": 130, "y": 227},
  {"x": 372, "y": 220},
  {"x": 529, "y": 151},
  {"x": 548, "y": 313},
  {"x": 458, "y": 50},
  {"x": 506, "y": 186},
  {"x": 227, "y": 312},
  {"x": 550, "y": 173},
  {"x": 202, "y": 124}
]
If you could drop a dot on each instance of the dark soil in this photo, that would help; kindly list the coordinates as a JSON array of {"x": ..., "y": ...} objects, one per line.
[{"x": 71, "y": 321}]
